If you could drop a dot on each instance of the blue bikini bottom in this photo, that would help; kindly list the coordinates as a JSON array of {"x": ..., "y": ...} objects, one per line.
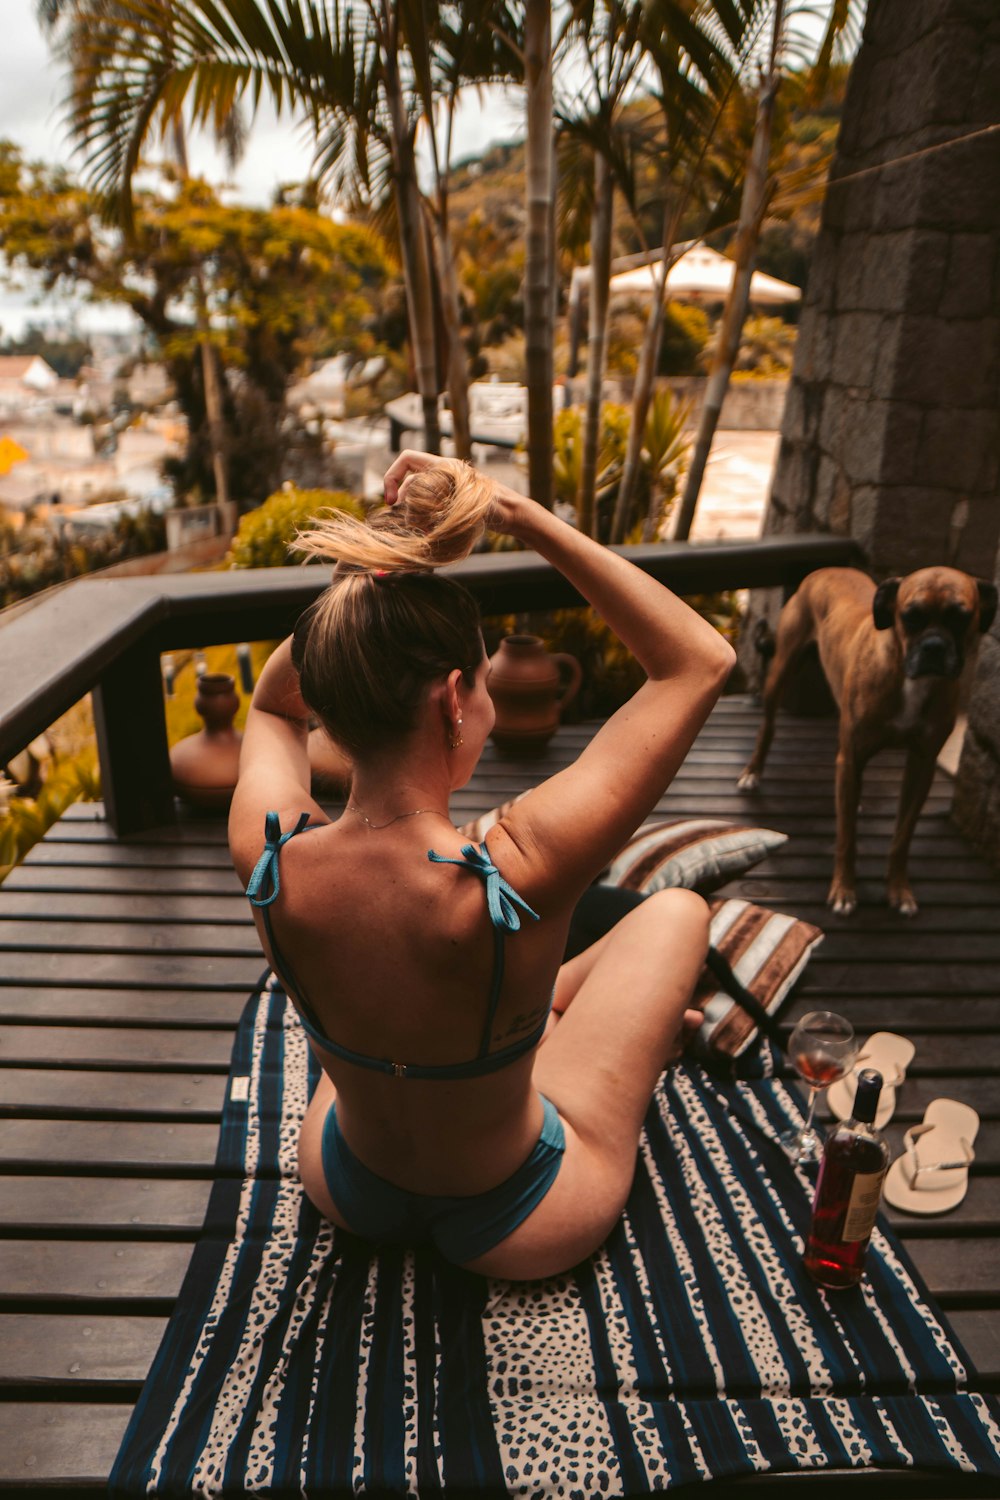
[{"x": 461, "y": 1228}]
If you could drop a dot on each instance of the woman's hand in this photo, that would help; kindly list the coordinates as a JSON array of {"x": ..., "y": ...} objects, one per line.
[
  {"x": 509, "y": 509},
  {"x": 409, "y": 462}
]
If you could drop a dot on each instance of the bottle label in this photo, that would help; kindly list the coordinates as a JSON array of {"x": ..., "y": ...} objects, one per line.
[{"x": 863, "y": 1206}]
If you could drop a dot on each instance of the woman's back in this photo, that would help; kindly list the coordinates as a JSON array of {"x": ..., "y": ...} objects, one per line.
[{"x": 394, "y": 957}]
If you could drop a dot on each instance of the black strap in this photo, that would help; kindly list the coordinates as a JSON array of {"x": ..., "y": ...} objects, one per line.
[{"x": 720, "y": 969}]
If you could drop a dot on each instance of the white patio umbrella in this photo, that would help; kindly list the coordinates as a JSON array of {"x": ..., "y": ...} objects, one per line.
[
  {"x": 699, "y": 275},
  {"x": 703, "y": 275}
]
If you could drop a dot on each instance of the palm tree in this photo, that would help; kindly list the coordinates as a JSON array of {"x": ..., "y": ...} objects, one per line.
[
  {"x": 696, "y": 55},
  {"x": 345, "y": 67},
  {"x": 758, "y": 190},
  {"x": 457, "y": 50},
  {"x": 611, "y": 55},
  {"x": 539, "y": 260}
]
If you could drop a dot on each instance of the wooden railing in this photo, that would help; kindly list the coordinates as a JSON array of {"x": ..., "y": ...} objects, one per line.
[{"x": 105, "y": 636}]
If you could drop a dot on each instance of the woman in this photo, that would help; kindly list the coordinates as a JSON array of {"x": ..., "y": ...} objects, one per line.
[{"x": 424, "y": 971}]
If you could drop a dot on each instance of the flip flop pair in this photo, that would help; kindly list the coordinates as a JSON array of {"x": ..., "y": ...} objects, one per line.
[
  {"x": 889, "y": 1055},
  {"x": 932, "y": 1175}
]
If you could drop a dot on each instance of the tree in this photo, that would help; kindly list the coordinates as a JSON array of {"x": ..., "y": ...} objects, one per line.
[
  {"x": 158, "y": 61},
  {"x": 78, "y": 28},
  {"x": 759, "y": 187},
  {"x": 695, "y": 56},
  {"x": 611, "y": 56},
  {"x": 757, "y": 190},
  {"x": 365, "y": 75},
  {"x": 539, "y": 255},
  {"x": 282, "y": 285}
]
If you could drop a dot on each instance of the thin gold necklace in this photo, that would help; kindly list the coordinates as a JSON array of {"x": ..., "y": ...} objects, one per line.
[{"x": 352, "y": 807}]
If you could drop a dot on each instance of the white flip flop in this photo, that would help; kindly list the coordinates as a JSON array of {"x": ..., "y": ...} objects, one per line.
[
  {"x": 932, "y": 1175},
  {"x": 890, "y": 1055}
]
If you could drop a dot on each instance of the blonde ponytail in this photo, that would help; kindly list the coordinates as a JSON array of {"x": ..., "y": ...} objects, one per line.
[
  {"x": 389, "y": 625},
  {"x": 439, "y": 519}
]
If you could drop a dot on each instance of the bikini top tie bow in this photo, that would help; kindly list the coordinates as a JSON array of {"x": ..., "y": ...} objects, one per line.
[
  {"x": 265, "y": 872},
  {"x": 502, "y": 900}
]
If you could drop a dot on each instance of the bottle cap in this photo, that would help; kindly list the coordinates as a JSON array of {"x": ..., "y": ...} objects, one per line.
[{"x": 866, "y": 1098}]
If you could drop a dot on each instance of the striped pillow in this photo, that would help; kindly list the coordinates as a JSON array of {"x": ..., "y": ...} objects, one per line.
[
  {"x": 698, "y": 853},
  {"x": 767, "y": 952}
]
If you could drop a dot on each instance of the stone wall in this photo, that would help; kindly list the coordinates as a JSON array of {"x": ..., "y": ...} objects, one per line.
[
  {"x": 891, "y": 428},
  {"x": 976, "y": 805}
]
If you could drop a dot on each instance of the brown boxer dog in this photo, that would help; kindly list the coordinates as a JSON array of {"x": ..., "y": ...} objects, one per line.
[{"x": 892, "y": 656}]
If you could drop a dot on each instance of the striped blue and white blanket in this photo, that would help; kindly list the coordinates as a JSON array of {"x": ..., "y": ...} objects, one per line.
[{"x": 692, "y": 1347}]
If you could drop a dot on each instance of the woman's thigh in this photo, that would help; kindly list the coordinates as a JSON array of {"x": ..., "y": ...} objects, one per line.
[{"x": 600, "y": 1067}]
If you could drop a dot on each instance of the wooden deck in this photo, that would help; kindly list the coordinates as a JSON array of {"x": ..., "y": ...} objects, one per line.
[{"x": 125, "y": 967}]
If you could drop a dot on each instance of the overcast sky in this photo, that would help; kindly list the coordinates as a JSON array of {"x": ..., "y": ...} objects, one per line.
[{"x": 30, "y": 89}]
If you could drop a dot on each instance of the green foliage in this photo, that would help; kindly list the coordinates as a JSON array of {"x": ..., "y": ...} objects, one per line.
[
  {"x": 38, "y": 557},
  {"x": 25, "y": 820},
  {"x": 269, "y": 289},
  {"x": 687, "y": 332},
  {"x": 567, "y": 458},
  {"x": 491, "y": 271},
  {"x": 767, "y": 349},
  {"x": 662, "y": 460},
  {"x": 266, "y": 534},
  {"x": 665, "y": 449}
]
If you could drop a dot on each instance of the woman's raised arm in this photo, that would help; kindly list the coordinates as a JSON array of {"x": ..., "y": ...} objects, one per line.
[
  {"x": 274, "y": 759},
  {"x": 566, "y": 831}
]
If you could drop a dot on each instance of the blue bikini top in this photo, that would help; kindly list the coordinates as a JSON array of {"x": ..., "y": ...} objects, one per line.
[{"x": 502, "y": 902}]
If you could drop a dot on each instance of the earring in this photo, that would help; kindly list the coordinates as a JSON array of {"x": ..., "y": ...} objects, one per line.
[{"x": 454, "y": 744}]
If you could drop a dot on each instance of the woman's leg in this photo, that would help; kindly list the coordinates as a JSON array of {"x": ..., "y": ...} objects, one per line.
[
  {"x": 600, "y": 1067},
  {"x": 311, "y": 1172},
  {"x": 597, "y": 914}
]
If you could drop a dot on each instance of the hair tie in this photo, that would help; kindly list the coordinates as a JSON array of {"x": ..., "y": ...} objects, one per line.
[{"x": 380, "y": 574}]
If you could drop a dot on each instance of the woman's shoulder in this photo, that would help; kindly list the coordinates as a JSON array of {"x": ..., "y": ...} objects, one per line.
[{"x": 257, "y": 833}]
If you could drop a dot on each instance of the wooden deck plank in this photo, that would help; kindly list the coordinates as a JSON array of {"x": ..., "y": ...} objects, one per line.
[
  {"x": 979, "y": 1333},
  {"x": 154, "y": 971},
  {"x": 106, "y": 1205},
  {"x": 91, "y": 906},
  {"x": 52, "y": 1092},
  {"x": 73, "y": 1271},
  {"x": 958, "y": 1278},
  {"x": 198, "y": 939},
  {"x": 206, "y": 1009},
  {"x": 144, "y": 1047},
  {"x": 117, "y": 1146},
  {"x": 63, "y": 1349},
  {"x": 50, "y": 1443}
]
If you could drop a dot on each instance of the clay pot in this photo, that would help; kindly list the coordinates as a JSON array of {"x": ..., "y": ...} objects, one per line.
[
  {"x": 525, "y": 687},
  {"x": 205, "y": 765}
]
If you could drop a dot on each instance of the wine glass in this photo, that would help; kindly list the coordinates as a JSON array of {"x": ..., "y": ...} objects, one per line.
[{"x": 822, "y": 1048}]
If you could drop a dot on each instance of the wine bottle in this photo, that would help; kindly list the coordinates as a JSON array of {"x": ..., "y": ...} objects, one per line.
[{"x": 855, "y": 1161}]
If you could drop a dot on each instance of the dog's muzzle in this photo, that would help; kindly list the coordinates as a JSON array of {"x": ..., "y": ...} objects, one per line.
[{"x": 933, "y": 656}]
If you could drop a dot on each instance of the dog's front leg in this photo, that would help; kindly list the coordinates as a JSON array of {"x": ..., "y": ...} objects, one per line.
[
  {"x": 842, "y": 895},
  {"x": 917, "y": 777}
]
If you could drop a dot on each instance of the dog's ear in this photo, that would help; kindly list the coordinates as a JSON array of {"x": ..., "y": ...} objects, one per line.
[
  {"x": 987, "y": 604},
  {"x": 884, "y": 603}
]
